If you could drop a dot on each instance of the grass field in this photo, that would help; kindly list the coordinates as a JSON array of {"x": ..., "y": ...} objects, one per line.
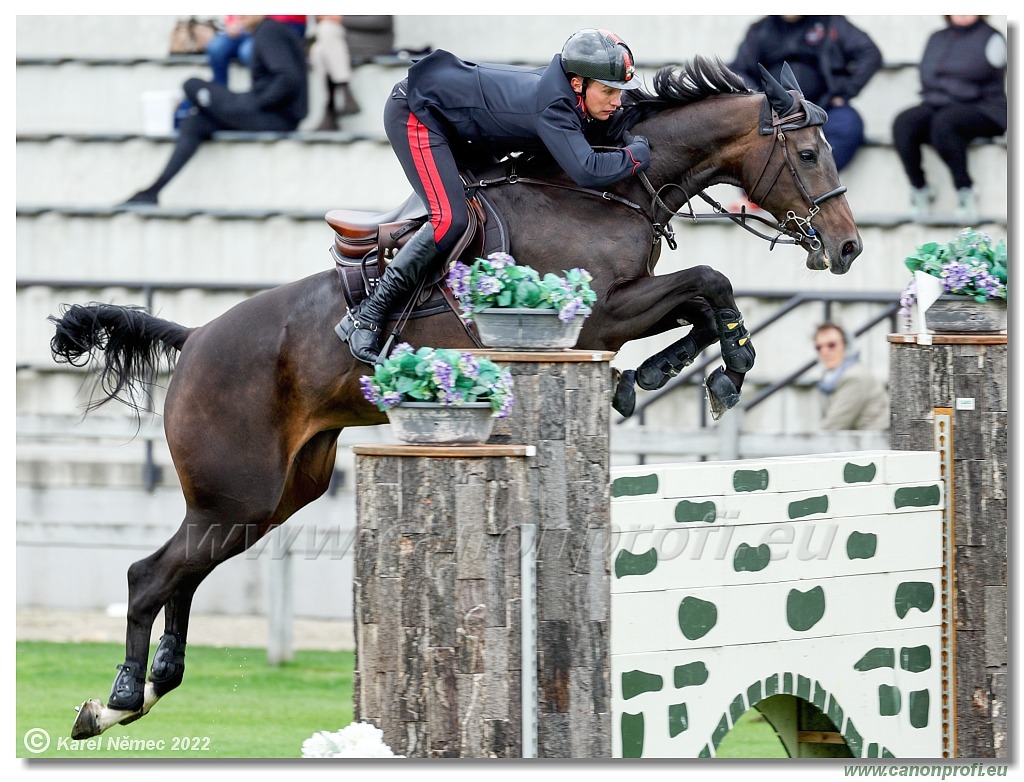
[{"x": 231, "y": 705}]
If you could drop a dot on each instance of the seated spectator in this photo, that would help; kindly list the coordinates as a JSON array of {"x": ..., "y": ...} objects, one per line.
[
  {"x": 276, "y": 102},
  {"x": 963, "y": 91},
  {"x": 832, "y": 60},
  {"x": 235, "y": 43},
  {"x": 332, "y": 65},
  {"x": 851, "y": 398}
]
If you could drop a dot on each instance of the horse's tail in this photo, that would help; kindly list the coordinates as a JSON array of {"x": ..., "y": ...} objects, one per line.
[{"x": 134, "y": 344}]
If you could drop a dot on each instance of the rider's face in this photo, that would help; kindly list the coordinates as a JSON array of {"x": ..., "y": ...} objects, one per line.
[{"x": 600, "y": 100}]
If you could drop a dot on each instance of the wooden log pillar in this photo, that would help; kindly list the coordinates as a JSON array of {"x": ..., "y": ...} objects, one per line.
[
  {"x": 963, "y": 378},
  {"x": 438, "y": 599}
]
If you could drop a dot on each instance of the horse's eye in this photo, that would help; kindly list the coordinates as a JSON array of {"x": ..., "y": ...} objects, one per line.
[{"x": 808, "y": 156}]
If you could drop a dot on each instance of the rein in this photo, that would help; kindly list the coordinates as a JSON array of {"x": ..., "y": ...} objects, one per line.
[{"x": 512, "y": 178}]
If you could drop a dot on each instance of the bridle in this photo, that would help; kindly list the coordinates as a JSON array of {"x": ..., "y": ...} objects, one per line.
[{"x": 802, "y": 232}]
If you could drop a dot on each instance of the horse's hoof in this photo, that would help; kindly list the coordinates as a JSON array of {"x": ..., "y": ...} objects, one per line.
[
  {"x": 624, "y": 397},
  {"x": 721, "y": 392},
  {"x": 87, "y": 722}
]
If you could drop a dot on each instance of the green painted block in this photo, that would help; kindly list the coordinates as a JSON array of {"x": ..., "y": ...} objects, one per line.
[
  {"x": 856, "y": 473},
  {"x": 917, "y": 496},
  {"x": 697, "y": 617},
  {"x": 853, "y": 739},
  {"x": 638, "y": 682},
  {"x": 705, "y": 752},
  {"x": 820, "y": 696},
  {"x": 914, "y": 594},
  {"x": 787, "y": 684},
  {"x": 918, "y": 708},
  {"x": 750, "y": 480},
  {"x": 805, "y": 609},
  {"x": 889, "y": 700},
  {"x": 915, "y": 658},
  {"x": 750, "y": 559},
  {"x": 690, "y": 675},
  {"x": 720, "y": 730},
  {"x": 886, "y": 753},
  {"x": 736, "y": 708},
  {"x": 754, "y": 693},
  {"x": 635, "y": 485},
  {"x": 879, "y": 657},
  {"x": 629, "y": 564},
  {"x": 872, "y": 750},
  {"x": 631, "y": 727},
  {"x": 861, "y": 545},
  {"x": 835, "y": 713},
  {"x": 771, "y": 686},
  {"x": 678, "y": 720},
  {"x": 808, "y": 507},
  {"x": 803, "y": 687},
  {"x": 687, "y": 511}
]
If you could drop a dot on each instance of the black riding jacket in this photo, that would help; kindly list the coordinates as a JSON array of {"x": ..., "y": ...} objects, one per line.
[{"x": 513, "y": 109}]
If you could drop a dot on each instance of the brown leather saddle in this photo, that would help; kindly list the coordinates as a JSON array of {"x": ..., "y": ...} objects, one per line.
[{"x": 366, "y": 242}]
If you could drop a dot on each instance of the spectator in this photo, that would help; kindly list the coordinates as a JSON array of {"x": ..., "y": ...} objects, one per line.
[
  {"x": 276, "y": 102},
  {"x": 368, "y": 37},
  {"x": 831, "y": 59},
  {"x": 963, "y": 75},
  {"x": 851, "y": 397},
  {"x": 332, "y": 65},
  {"x": 235, "y": 43}
]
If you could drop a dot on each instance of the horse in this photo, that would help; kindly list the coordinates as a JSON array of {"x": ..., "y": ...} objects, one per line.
[{"x": 259, "y": 394}]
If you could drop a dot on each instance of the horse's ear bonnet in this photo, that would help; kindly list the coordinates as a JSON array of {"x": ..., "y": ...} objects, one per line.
[{"x": 786, "y": 100}]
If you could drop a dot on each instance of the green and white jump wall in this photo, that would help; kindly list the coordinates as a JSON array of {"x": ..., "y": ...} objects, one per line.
[{"x": 524, "y": 599}]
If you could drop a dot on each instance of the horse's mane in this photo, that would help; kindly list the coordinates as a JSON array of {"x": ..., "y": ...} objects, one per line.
[{"x": 679, "y": 85}]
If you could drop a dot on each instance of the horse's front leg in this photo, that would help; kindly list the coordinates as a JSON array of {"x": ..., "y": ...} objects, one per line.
[{"x": 704, "y": 298}]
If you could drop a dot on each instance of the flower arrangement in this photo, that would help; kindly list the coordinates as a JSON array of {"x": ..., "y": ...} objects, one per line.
[
  {"x": 498, "y": 281},
  {"x": 969, "y": 265},
  {"x": 448, "y": 377},
  {"x": 357, "y": 740}
]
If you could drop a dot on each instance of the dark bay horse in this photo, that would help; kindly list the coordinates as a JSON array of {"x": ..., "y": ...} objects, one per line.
[{"x": 259, "y": 395}]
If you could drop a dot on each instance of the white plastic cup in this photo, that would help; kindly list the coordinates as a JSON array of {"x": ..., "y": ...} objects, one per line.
[{"x": 158, "y": 111}]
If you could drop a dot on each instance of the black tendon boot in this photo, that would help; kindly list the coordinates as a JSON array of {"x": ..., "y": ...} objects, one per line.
[
  {"x": 659, "y": 368},
  {"x": 363, "y": 327},
  {"x": 737, "y": 349}
]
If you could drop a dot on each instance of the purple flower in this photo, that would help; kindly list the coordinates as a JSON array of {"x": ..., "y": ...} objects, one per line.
[{"x": 370, "y": 389}]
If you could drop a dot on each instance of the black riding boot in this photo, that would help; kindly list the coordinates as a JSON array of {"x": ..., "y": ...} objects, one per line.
[{"x": 363, "y": 327}]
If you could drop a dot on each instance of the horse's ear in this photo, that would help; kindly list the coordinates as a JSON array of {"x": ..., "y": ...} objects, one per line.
[
  {"x": 788, "y": 78},
  {"x": 781, "y": 101}
]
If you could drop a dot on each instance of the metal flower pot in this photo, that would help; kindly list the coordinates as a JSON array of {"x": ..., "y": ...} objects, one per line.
[
  {"x": 431, "y": 423},
  {"x": 510, "y": 328},
  {"x": 954, "y": 313}
]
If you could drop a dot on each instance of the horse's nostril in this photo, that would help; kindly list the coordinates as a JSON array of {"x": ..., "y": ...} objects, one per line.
[{"x": 851, "y": 249}]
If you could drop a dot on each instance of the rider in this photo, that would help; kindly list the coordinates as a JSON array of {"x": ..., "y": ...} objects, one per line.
[{"x": 488, "y": 111}]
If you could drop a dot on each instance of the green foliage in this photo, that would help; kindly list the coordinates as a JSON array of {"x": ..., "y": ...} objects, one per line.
[
  {"x": 498, "y": 281},
  {"x": 971, "y": 264},
  {"x": 448, "y": 377}
]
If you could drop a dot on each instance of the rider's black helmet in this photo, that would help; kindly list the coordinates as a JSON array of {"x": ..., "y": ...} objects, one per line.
[{"x": 601, "y": 56}]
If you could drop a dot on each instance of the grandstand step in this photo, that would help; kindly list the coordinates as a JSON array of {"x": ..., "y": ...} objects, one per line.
[{"x": 319, "y": 172}]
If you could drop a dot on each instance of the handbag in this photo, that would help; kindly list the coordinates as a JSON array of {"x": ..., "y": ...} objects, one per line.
[{"x": 191, "y": 35}]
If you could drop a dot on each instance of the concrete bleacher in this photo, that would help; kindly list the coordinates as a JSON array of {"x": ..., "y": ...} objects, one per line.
[{"x": 248, "y": 210}]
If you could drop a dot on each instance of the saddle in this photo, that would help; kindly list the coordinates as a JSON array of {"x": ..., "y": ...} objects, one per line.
[{"x": 366, "y": 242}]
